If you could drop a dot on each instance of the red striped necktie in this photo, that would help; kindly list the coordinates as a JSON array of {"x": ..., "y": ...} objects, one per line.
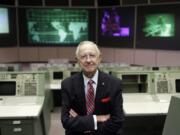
[{"x": 90, "y": 97}]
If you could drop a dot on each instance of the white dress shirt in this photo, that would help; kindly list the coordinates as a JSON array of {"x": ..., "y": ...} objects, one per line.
[{"x": 86, "y": 80}]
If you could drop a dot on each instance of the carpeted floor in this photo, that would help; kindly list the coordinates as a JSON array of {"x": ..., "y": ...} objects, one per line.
[{"x": 56, "y": 127}]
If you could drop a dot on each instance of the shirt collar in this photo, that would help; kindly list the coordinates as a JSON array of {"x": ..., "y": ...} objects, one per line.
[{"x": 94, "y": 78}]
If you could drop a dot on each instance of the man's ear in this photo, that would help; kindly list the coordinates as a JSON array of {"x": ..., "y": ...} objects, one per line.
[{"x": 76, "y": 59}]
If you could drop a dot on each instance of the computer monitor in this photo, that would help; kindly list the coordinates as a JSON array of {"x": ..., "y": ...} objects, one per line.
[
  {"x": 116, "y": 27},
  {"x": 4, "y": 19},
  {"x": 55, "y": 27},
  {"x": 157, "y": 27},
  {"x": 8, "y": 35},
  {"x": 57, "y": 75},
  {"x": 178, "y": 85},
  {"x": 7, "y": 88}
]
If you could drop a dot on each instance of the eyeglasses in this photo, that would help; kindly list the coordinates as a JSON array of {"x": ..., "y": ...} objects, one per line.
[{"x": 88, "y": 56}]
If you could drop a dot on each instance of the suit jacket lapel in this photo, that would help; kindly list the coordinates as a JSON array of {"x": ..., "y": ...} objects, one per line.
[
  {"x": 100, "y": 87},
  {"x": 80, "y": 93},
  {"x": 79, "y": 82}
]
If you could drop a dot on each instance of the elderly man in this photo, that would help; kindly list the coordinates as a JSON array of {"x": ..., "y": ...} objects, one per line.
[{"x": 92, "y": 101}]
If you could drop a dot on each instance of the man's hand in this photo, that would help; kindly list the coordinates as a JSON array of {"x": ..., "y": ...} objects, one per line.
[
  {"x": 72, "y": 113},
  {"x": 102, "y": 118}
]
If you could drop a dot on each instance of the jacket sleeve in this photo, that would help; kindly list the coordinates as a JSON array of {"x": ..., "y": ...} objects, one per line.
[
  {"x": 79, "y": 123},
  {"x": 114, "y": 124}
]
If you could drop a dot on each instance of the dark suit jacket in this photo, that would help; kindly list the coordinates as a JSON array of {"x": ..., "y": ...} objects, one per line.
[{"x": 108, "y": 100}]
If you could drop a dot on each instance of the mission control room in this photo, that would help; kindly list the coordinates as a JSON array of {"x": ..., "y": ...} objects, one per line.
[{"x": 139, "y": 41}]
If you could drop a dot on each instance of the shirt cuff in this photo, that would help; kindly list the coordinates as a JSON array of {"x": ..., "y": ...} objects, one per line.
[{"x": 95, "y": 122}]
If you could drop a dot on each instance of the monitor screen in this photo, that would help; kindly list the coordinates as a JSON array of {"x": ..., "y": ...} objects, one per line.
[
  {"x": 116, "y": 27},
  {"x": 8, "y": 35},
  {"x": 4, "y": 19},
  {"x": 56, "y": 26},
  {"x": 57, "y": 75},
  {"x": 157, "y": 27},
  {"x": 74, "y": 72},
  {"x": 7, "y": 88},
  {"x": 177, "y": 83},
  {"x": 111, "y": 25}
]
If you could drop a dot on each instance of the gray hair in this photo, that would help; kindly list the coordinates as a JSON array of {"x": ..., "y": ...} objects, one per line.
[{"x": 87, "y": 43}]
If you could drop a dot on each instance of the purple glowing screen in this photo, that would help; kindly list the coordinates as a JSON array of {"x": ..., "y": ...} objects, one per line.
[{"x": 111, "y": 24}]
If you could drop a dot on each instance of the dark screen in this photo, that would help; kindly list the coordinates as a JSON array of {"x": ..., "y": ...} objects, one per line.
[
  {"x": 57, "y": 75},
  {"x": 74, "y": 72},
  {"x": 7, "y": 88},
  {"x": 178, "y": 85}
]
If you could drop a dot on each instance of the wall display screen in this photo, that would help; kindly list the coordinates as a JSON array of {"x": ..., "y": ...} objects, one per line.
[
  {"x": 7, "y": 27},
  {"x": 157, "y": 27},
  {"x": 116, "y": 27},
  {"x": 4, "y": 19},
  {"x": 56, "y": 26}
]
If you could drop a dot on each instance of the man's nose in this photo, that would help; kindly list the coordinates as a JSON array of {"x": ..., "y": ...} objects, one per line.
[{"x": 88, "y": 58}]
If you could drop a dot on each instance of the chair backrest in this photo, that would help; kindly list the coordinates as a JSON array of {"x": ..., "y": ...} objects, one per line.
[{"x": 172, "y": 122}]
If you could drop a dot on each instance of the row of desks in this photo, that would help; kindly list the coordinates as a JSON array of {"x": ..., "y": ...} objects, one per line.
[
  {"x": 21, "y": 107},
  {"x": 141, "y": 103},
  {"x": 138, "y": 104}
]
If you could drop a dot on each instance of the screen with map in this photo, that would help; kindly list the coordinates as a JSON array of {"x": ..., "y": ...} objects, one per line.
[
  {"x": 56, "y": 26},
  {"x": 116, "y": 27},
  {"x": 158, "y": 27}
]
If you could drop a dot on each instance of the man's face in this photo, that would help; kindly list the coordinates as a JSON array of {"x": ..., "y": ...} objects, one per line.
[{"x": 88, "y": 59}]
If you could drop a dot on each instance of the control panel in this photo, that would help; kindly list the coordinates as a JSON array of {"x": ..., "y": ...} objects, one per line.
[
  {"x": 134, "y": 81},
  {"x": 22, "y": 83},
  {"x": 161, "y": 82}
]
